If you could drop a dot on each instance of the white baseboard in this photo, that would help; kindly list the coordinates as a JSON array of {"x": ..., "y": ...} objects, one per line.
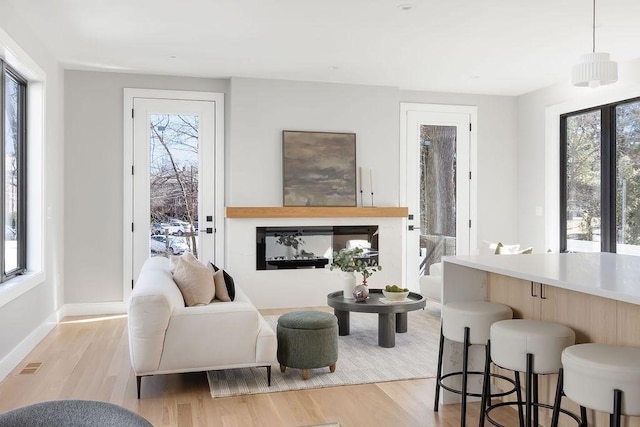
[
  {"x": 16, "y": 356},
  {"x": 89, "y": 309}
]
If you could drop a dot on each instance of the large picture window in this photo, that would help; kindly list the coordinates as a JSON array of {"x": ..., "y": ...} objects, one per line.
[
  {"x": 13, "y": 174},
  {"x": 600, "y": 179}
]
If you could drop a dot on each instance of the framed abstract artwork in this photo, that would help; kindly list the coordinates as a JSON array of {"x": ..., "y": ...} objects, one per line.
[{"x": 319, "y": 168}]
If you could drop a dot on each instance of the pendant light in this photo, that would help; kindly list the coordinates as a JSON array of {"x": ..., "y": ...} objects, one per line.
[{"x": 595, "y": 68}]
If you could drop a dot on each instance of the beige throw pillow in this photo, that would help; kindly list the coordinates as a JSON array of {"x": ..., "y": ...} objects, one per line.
[
  {"x": 221, "y": 288},
  {"x": 194, "y": 280}
]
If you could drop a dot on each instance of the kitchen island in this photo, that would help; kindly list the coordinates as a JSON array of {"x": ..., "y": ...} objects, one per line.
[{"x": 596, "y": 294}]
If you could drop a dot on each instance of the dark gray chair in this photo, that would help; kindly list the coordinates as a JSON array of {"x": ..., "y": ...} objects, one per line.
[{"x": 72, "y": 413}]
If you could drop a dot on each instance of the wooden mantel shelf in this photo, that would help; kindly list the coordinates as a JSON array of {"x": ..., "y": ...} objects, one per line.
[{"x": 315, "y": 212}]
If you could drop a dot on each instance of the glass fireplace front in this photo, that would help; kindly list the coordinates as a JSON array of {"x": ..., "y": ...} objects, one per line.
[{"x": 286, "y": 248}]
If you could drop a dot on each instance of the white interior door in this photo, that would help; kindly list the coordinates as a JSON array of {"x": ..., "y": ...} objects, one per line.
[
  {"x": 173, "y": 179},
  {"x": 438, "y": 186}
]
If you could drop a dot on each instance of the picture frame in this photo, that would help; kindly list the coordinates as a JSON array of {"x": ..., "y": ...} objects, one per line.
[{"x": 319, "y": 168}]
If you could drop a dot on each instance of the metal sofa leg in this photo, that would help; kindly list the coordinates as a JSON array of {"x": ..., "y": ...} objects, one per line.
[
  {"x": 269, "y": 375},
  {"x": 138, "y": 382}
]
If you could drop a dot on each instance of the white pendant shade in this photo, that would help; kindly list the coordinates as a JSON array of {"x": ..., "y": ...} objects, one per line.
[{"x": 594, "y": 69}]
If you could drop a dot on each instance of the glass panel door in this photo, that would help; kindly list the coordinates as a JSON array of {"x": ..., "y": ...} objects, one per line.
[
  {"x": 437, "y": 194},
  {"x": 174, "y": 168},
  {"x": 173, "y": 183},
  {"x": 438, "y": 189}
]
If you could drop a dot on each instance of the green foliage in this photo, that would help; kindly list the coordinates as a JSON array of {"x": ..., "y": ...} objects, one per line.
[
  {"x": 352, "y": 260},
  {"x": 395, "y": 288}
]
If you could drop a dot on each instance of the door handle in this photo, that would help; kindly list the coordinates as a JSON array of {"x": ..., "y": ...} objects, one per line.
[{"x": 411, "y": 228}]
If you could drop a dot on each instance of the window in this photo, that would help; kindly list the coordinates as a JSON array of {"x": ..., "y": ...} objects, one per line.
[
  {"x": 600, "y": 179},
  {"x": 13, "y": 172}
]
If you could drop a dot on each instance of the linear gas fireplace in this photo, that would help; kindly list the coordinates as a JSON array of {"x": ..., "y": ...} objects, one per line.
[{"x": 279, "y": 248}]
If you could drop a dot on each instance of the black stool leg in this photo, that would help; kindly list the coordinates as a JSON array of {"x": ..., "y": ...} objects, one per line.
[
  {"x": 558, "y": 400},
  {"x": 485, "y": 383},
  {"x": 465, "y": 369},
  {"x": 583, "y": 417},
  {"x": 535, "y": 399},
  {"x": 528, "y": 387},
  {"x": 439, "y": 374},
  {"x": 516, "y": 375},
  {"x": 617, "y": 408}
]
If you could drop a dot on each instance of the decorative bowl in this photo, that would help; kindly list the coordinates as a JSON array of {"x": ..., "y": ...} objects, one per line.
[{"x": 395, "y": 296}]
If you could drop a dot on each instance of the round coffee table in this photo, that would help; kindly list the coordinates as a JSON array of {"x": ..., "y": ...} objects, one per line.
[{"x": 392, "y": 316}]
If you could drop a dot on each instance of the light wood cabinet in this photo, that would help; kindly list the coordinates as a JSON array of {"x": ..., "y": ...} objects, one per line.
[{"x": 593, "y": 318}]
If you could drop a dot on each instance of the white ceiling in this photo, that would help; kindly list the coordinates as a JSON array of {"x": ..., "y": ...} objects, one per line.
[{"x": 502, "y": 47}]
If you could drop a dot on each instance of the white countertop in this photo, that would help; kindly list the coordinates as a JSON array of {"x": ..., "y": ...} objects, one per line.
[{"x": 606, "y": 275}]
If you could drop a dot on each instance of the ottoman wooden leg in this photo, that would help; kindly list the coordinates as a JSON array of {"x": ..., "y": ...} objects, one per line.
[
  {"x": 305, "y": 374},
  {"x": 282, "y": 368},
  {"x": 332, "y": 368}
]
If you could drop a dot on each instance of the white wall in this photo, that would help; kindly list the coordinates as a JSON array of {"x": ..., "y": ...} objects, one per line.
[
  {"x": 94, "y": 177},
  {"x": 534, "y": 149},
  {"x": 257, "y": 112},
  {"x": 262, "y": 109},
  {"x": 24, "y": 319},
  {"x": 497, "y": 153}
]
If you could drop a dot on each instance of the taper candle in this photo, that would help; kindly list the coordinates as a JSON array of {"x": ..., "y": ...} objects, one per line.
[
  {"x": 360, "y": 178},
  {"x": 371, "y": 179}
]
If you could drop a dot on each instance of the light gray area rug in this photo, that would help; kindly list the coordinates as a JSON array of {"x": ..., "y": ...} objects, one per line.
[{"x": 360, "y": 359}]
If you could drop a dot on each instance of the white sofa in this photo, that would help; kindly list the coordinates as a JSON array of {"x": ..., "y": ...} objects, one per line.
[{"x": 167, "y": 337}]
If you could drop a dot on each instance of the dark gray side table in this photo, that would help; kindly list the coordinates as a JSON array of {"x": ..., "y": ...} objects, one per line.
[{"x": 392, "y": 317}]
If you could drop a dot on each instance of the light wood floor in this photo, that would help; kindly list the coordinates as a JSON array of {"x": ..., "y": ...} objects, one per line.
[{"x": 88, "y": 358}]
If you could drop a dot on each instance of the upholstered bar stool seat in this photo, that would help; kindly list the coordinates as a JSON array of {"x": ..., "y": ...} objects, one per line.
[
  {"x": 512, "y": 340},
  {"x": 531, "y": 346},
  {"x": 469, "y": 323},
  {"x": 477, "y": 315},
  {"x": 593, "y": 373}
]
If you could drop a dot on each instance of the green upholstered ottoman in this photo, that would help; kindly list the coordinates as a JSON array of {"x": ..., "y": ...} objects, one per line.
[{"x": 307, "y": 340}]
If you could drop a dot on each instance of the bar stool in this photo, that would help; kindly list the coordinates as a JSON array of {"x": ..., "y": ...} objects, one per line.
[
  {"x": 602, "y": 377},
  {"x": 467, "y": 322},
  {"x": 530, "y": 346}
]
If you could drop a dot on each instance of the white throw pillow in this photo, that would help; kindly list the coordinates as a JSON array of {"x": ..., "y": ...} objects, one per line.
[
  {"x": 194, "y": 280},
  {"x": 506, "y": 249}
]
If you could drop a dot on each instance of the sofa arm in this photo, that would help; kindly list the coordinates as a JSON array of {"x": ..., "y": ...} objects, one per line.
[
  {"x": 266, "y": 344},
  {"x": 148, "y": 320},
  {"x": 152, "y": 301},
  {"x": 218, "y": 334}
]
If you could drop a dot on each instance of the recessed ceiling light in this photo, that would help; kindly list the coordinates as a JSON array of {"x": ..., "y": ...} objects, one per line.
[
  {"x": 333, "y": 67},
  {"x": 405, "y": 6},
  {"x": 173, "y": 57}
]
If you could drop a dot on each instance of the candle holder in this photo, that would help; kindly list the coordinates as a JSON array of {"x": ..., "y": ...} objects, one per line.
[
  {"x": 372, "y": 205},
  {"x": 361, "y": 198}
]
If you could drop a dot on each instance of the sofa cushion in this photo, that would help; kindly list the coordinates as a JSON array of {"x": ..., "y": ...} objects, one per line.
[
  {"x": 221, "y": 287},
  {"x": 195, "y": 281},
  {"x": 228, "y": 280}
]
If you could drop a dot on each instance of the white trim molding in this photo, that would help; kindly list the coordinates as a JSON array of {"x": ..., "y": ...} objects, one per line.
[
  {"x": 22, "y": 350},
  {"x": 130, "y": 95}
]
